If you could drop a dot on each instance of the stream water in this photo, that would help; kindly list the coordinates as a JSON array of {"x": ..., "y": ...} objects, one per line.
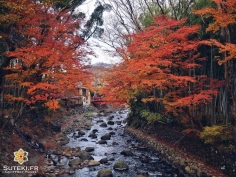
[{"x": 143, "y": 161}]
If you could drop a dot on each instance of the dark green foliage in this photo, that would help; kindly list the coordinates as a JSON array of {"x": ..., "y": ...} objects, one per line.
[{"x": 93, "y": 25}]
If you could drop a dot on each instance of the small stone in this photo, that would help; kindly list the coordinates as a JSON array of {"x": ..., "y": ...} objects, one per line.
[
  {"x": 126, "y": 152},
  {"x": 104, "y": 160},
  {"x": 93, "y": 163},
  {"x": 92, "y": 135},
  {"x": 89, "y": 149},
  {"x": 84, "y": 139},
  {"x": 103, "y": 124},
  {"x": 110, "y": 122},
  {"x": 102, "y": 142}
]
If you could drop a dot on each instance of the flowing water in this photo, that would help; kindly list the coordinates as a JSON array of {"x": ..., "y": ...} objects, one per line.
[{"x": 151, "y": 164}]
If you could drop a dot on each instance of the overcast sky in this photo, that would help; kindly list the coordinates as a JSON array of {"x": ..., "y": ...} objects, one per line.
[{"x": 99, "y": 48}]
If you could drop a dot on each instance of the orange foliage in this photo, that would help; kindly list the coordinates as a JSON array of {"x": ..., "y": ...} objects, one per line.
[
  {"x": 48, "y": 60},
  {"x": 223, "y": 16},
  {"x": 162, "y": 63}
]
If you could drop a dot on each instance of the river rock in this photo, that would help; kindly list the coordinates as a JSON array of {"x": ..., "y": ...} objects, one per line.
[
  {"x": 98, "y": 121},
  {"x": 92, "y": 135},
  {"x": 103, "y": 124},
  {"x": 80, "y": 132},
  {"x": 93, "y": 163},
  {"x": 71, "y": 170},
  {"x": 110, "y": 128},
  {"x": 63, "y": 141},
  {"x": 89, "y": 149},
  {"x": 84, "y": 139},
  {"x": 95, "y": 130},
  {"x": 75, "y": 163},
  {"x": 102, "y": 142},
  {"x": 85, "y": 156},
  {"x": 126, "y": 152},
  {"x": 112, "y": 133},
  {"x": 111, "y": 117},
  {"x": 104, "y": 160},
  {"x": 144, "y": 159},
  {"x": 120, "y": 165},
  {"x": 107, "y": 136},
  {"x": 115, "y": 143},
  {"x": 118, "y": 122},
  {"x": 110, "y": 122},
  {"x": 105, "y": 172},
  {"x": 55, "y": 127}
]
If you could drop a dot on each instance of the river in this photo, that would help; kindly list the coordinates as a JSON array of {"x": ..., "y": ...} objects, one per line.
[{"x": 141, "y": 161}]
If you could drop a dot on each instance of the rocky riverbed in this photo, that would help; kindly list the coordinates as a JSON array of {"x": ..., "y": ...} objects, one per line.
[
  {"x": 103, "y": 150},
  {"x": 98, "y": 144}
]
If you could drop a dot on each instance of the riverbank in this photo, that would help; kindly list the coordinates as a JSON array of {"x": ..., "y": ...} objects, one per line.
[
  {"x": 186, "y": 163},
  {"x": 40, "y": 137}
]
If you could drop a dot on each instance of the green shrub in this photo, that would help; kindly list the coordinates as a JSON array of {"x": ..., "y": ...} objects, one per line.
[
  {"x": 217, "y": 134},
  {"x": 153, "y": 117}
]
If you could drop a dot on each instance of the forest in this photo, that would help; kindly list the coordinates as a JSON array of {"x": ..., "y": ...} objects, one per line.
[{"x": 177, "y": 61}]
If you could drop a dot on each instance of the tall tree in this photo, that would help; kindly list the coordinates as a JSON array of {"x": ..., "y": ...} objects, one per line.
[
  {"x": 48, "y": 60},
  {"x": 224, "y": 19},
  {"x": 163, "y": 61}
]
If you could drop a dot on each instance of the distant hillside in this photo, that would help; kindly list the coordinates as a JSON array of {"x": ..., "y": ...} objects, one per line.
[{"x": 106, "y": 65}]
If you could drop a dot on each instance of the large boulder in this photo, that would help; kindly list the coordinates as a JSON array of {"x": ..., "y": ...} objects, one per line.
[{"x": 105, "y": 172}]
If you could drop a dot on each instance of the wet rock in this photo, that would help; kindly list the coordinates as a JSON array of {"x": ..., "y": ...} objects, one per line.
[
  {"x": 120, "y": 165},
  {"x": 92, "y": 135},
  {"x": 107, "y": 136},
  {"x": 187, "y": 169},
  {"x": 71, "y": 170},
  {"x": 103, "y": 124},
  {"x": 94, "y": 130},
  {"x": 144, "y": 159},
  {"x": 84, "y": 139},
  {"x": 98, "y": 121},
  {"x": 112, "y": 133},
  {"x": 104, "y": 160},
  {"x": 58, "y": 152},
  {"x": 102, "y": 142},
  {"x": 89, "y": 149},
  {"x": 110, "y": 122},
  {"x": 55, "y": 127},
  {"x": 85, "y": 156},
  {"x": 111, "y": 117},
  {"x": 110, "y": 128},
  {"x": 129, "y": 141},
  {"x": 118, "y": 122},
  {"x": 115, "y": 143},
  {"x": 93, "y": 163},
  {"x": 80, "y": 132},
  {"x": 60, "y": 164},
  {"x": 126, "y": 152},
  {"x": 105, "y": 172},
  {"x": 75, "y": 163}
]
